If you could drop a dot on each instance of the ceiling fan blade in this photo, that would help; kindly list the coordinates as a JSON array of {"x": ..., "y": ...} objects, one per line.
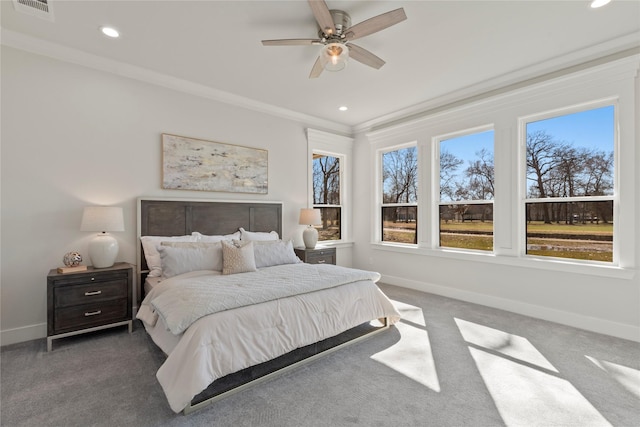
[
  {"x": 363, "y": 55},
  {"x": 317, "y": 69},
  {"x": 323, "y": 16},
  {"x": 290, "y": 42},
  {"x": 375, "y": 24}
]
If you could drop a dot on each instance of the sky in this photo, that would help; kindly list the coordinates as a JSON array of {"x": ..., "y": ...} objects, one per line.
[
  {"x": 592, "y": 129},
  {"x": 465, "y": 147}
]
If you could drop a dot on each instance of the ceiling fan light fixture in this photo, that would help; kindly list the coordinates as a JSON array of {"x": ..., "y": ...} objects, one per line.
[{"x": 334, "y": 56}]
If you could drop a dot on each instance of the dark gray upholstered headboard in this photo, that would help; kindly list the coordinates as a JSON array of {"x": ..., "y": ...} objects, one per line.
[{"x": 177, "y": 217}]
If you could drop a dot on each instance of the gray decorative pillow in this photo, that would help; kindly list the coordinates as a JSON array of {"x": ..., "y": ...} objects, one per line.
[
  {"x": 237, "y": 258},
  {"x": 275, "y": 252}
]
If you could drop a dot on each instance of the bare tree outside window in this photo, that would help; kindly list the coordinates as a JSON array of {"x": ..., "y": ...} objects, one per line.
[
  {"x": 400, "y": 195},
  {"x": 326, "y": 195},
  {"x": 467, "y": 187},
  {"x": 570, "y": 185}
]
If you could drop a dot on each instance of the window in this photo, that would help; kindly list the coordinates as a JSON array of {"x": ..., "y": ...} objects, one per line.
[
  {"x": 399, "y": 210},
  {"x": 329, "y": 184},
  {"x": 326, "y": 195},
  {"x": 569, "y": 205},
  {"x": 467, "y": 191}
]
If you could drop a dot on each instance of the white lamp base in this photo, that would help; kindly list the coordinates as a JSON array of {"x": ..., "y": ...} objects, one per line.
[
  {"x": 310, "y": 237},
  {"x": 103, "y": 250}
]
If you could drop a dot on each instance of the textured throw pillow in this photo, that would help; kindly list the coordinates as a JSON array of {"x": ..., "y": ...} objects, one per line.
[
  {"x": 237, "y": 259},
  {"x": 204, "y": 238},
  {"x": 277, "y": 252},
  {"x": 258, "y": 235},
  {"x": 211, "y": 251},
  {"x": 150, "y": 247},
  {"x": 178, "y": 258}
]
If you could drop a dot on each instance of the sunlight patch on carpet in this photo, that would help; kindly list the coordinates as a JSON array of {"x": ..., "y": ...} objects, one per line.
[
  {"x": 508, "y": 344},
  {"x": 628, "y": 378},
  {"x": 526, "y": 388},
  {"x": 526, "y": 396},
  {"x": 411, "y": 356}
]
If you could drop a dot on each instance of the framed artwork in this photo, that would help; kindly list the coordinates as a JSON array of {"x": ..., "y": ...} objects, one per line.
[{"x": 196, "y": 164}]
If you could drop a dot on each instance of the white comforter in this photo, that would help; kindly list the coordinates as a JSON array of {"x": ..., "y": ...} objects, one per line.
[
  {"x": 181, "y": 301},
  {"x": 230, "y": 340}
]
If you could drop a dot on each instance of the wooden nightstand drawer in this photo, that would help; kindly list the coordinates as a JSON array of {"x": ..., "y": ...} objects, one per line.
[
  {"x": 317, "y": 256},
  {"x": 65, "y": 296},
  {"x": 90, "y": 300},
  {"x": 321, "y": 259},
  {"x": 88, "y": 315}
]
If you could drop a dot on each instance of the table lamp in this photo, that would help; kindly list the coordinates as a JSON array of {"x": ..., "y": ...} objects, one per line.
[
  {"x": 310, "y": 217},
  {"x": 103, "y": 249}
]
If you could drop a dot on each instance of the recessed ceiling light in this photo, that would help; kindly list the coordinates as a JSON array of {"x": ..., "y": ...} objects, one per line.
[
  {"x": 343, "y": 108},
  {"x": 599, "y": 3},
  {"x": 110, "y": 32}
]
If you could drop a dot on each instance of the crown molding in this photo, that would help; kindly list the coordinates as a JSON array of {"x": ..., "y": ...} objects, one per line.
[{"x": 49, "y": 49}]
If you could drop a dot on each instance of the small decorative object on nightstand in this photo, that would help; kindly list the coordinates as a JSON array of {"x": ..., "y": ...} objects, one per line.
[
  {"x": 88, "y": 301},
  {"x": 317, "y": 256},
  {"x": 71, "y": 261},
  {"x": 310, "y": 217}
]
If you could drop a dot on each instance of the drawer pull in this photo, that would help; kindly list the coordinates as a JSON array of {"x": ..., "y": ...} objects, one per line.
[
  {"x": 88, "y": 294},
  {"x": 93, "y": 278},
  {"x": 92, "y": 313}
]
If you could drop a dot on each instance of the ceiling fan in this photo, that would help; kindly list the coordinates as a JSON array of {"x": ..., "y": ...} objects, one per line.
[{"x": 336, "y": 34}]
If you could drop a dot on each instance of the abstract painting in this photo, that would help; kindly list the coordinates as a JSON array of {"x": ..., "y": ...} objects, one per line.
[{"x": 196, "y": 164}]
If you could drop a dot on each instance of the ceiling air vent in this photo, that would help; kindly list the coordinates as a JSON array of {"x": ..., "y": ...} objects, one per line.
[{"x": 40, "y": 8}]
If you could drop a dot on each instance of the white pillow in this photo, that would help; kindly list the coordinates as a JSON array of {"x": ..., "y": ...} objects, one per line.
[
  {"x": 237, "y": 259},
  {"x": 260, "y": 236},
  {"x": 204, "y": 238},
  {"x": 150, "y": 247},
  {"x": 178, "y": 258},
  {"x": 278, "y": 252}
]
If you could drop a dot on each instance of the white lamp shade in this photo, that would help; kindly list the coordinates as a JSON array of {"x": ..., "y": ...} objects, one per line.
[
  {"x": 102, "y": 218},
  {"x": 310, "y": 217},
  {"x": 103, "y": 249}
]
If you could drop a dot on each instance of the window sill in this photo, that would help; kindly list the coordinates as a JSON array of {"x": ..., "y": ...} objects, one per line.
[
  {"x": 529, "y": 262},
  {"x": 335, "y": 244}
]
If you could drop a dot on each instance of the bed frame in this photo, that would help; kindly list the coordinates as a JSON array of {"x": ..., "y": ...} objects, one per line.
[{"x": 177, "y": 217}]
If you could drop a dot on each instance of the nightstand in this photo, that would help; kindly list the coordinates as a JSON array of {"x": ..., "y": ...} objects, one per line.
[
  {"x": 317, "y": 255},
  {"x": 87, "y": 301}
]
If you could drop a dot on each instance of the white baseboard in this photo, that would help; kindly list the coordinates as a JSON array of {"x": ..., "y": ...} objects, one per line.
[
  {"x": 25, "y": 333},
  {"x": 602, "y": 326}
]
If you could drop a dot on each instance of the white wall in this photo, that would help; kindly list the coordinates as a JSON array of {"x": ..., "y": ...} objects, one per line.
[
  {"x": 74, "y": 136},
  {"x": 605, "y": 300}
]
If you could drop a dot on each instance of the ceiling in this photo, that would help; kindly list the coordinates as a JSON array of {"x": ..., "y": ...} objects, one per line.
[{"x": 445, "y": 49}]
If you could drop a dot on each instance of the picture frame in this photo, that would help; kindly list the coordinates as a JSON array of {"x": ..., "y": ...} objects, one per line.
[{"x": 201, "y": 165}]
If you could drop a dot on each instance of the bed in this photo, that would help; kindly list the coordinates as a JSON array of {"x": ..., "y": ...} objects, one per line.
[{"x": 230, "y": 304}]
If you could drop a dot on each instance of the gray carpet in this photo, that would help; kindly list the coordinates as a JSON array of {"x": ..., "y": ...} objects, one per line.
[{"x": 448, "y": 363}]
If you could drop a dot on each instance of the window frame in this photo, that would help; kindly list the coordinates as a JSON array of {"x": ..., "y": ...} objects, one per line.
[
  {"x": 380, "y": 194},
  {"x": 341, "y": 159},
  {"x": 339, "y": 146},
  {"x": 437, "y": 140},
  {"x": 522, "y": 178}
]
